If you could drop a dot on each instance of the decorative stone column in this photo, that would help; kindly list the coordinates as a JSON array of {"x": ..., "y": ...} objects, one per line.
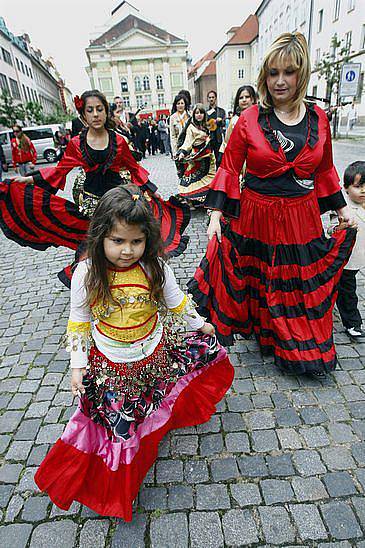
[
  {"x": 132, "y": 95},
  {"x": 167, "y": 82}
]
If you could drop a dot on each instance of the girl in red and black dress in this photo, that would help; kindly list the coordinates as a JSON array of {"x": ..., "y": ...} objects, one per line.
[
  {"x": 270, "y": 270},
  {"x": 33, "y": 216}
]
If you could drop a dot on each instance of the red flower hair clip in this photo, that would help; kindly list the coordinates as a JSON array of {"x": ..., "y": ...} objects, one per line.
[{"x": 79, "y": 103}]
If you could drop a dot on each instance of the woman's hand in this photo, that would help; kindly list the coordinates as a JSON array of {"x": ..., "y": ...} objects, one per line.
[
  {"x": 76, "y": 381},
  {"x": 21, "y": 179},
  {"x": 344, "y": 217},
  {"x": 208, "y": 329},
  {"x": 215, "y": 226},
  {"x": 180, "y": 157}
]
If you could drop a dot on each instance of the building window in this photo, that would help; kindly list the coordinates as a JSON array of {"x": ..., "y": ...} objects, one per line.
[
  {"x": 124, "y": 85},
  {"x": 22, "y": 67},
  {"x": 139, "y": 99},
  {"x": 314, "y": 91},
  {"x": 318, "y": 56},
  {"x": 241, "y": 54},
  {"x": 147, "y": 100},
  {"x": 26, "y": 70},
  {"x": 241, "y": 73},
  {"x": 31, "y": 74},
  {"x": 7, "y": 57},
  {"x": 24, "y": 92},
  {"x": 137, "y": 84},
  {"x": 176, "y": 79},
  {"x": 320, "y": 20},
  {"x": 159, "y": 81},
  {"x": 161, "y": 99},
  {"x": 17, "y": 63},
  {"x": 106, "y": 84},
  {"x": 336, "y": 10},
  {"x": 126, "y": 101},
  {"x": 348, "y": 40},
  {"x": 4, "y": 86},
  {"x": 146, "y": 83},
  {"x": 362, "y": 41},
  {"x": 14, "y": 89},
  {"x": 351, "y": 5}
]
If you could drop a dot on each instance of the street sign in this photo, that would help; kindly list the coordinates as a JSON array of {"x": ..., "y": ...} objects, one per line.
[{"x": 350, "y": 75}]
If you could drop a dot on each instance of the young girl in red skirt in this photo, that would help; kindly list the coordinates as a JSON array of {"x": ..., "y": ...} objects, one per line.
[
  {"x": 269, "y": 270},
  {"x": 137, "y": 378}
]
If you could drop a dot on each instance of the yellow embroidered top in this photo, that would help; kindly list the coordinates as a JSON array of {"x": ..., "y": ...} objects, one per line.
[{"x": 131, "y": 329}]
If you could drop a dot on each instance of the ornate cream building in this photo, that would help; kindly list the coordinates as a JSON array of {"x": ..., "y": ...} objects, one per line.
[{"x": 137, "y": 60}]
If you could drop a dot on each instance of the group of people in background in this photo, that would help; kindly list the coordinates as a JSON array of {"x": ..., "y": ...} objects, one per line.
[{"x": 269, "y": 271}]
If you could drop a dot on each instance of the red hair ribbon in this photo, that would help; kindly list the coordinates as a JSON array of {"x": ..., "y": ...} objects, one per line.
[{"x": 79, "y": 103}]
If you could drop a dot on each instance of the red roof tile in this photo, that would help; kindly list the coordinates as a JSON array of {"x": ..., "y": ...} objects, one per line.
[{"x": 246, "y": 32}]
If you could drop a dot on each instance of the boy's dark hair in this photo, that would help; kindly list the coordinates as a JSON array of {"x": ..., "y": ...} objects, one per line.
[{"x": 356, "y": 168}]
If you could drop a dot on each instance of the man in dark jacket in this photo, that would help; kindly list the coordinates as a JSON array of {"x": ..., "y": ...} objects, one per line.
[{"x": 217, "y": 115}]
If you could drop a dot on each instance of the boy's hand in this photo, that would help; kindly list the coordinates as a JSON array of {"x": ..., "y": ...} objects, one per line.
[
  {"x": 76, "y": 381},
  {"x": 208, "y": 329}
]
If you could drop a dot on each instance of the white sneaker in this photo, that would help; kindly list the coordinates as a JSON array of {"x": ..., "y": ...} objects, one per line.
[{"x": 356, "y": 333}]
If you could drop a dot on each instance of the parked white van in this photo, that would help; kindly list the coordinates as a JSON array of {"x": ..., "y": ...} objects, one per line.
[{"x": 42, "y": 138}]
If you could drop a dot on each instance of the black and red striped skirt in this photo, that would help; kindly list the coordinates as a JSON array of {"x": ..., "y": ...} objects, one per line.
[{"x": 275, "y": 275}]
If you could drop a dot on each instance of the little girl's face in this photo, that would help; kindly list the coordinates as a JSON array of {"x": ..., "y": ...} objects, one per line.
[
  {"x": 125, "y": 245},
  {"x": 356, "y": 191},
  {"x": 199, "y": 116}
]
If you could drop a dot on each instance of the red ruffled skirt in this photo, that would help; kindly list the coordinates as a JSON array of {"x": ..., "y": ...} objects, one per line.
[
  {"x": 196, "y": 175},
  {"x": 275, "y": 274},
  {"x": 112, "y": 440},
  {"x": 36, "y": 218}
]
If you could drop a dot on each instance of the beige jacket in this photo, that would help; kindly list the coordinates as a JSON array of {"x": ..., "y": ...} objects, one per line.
[{"x": 177, "y": 123}]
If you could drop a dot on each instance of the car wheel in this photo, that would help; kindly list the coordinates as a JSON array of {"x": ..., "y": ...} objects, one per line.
[{"x": 50, "y": 156}]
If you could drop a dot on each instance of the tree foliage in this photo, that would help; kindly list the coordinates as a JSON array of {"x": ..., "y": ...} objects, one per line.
[
  {"x": 10, "y": 113},
  {"x": 330, "y": 65}
]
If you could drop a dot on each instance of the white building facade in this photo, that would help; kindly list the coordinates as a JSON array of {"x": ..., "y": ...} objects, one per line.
[
  {"x": 346, "y": 20},
  {"x": 134, "y": 59},
  {"x": 234, "y": 62}
]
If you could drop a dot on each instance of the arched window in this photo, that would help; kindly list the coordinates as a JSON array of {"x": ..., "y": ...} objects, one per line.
[
  {"x": 137, "y": 83},
  {"x": 124, "y": 85},
  {"x": 159, "y": 81},
  {"x": 146, "y": 83}
]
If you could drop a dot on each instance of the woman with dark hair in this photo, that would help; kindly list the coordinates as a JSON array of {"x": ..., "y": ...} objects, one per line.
[
  {"x": 187, "y": 96},
  {"x": 33, "y": 216},
  {"x": 245, "y": 98},
  {"x": 196, "y": 156},
  {"x": 178, "y": 118},
  {"x": 22, "y": 150}
]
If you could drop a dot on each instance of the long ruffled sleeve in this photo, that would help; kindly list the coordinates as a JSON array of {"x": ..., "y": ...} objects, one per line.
[
  {"x": 178, "y": 302},
  {"x": 188, "y": 141},
  {"x": 54, "y": 178},
  {"x": 224, "y": 190},
  {"x": 326, "y": 179},
  {"x": 78, "y": 327}
]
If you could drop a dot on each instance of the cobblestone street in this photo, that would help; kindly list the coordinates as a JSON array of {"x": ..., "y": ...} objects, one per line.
[{"x": 281, "y": 463}]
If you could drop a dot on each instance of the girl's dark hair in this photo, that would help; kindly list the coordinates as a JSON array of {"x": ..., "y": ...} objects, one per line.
[
  {"x": 252, "y": 93},
  {"x": 23, "y": 139},
  {"x": 179, "y": 97},
  {"x": 203, "y": 123},
  {"x": 356, "y": 168},
  {"x": 187, "y": 95},
  {"x": 109, "y": 124},
  {"x": 117, "y": 205}
]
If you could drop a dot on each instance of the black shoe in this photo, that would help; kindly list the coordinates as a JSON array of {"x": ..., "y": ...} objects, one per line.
[
  {"x": 356, "y": 334},
  {"x": 319, "y": 374}
]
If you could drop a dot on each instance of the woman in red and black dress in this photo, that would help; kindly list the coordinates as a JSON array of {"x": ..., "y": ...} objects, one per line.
[
  {"x": 270, "y": 270},
  {"x": 33, "y": 216}
]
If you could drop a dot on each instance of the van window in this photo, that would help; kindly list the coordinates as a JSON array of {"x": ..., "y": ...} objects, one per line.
[
  {"x": 4, "y": 139},
  {"x": 42, "y": 133}
]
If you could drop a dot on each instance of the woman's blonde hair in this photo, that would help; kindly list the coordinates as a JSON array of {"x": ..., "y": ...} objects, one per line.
[{"x": 288, "y": 49}]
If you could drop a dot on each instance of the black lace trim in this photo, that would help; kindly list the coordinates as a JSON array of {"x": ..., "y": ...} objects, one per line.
[
  {"x": 112, "y": 151},
  {"x": 264, "y": 122}
]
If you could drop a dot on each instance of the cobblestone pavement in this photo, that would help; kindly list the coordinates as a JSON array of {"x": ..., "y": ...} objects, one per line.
[{"x": 281, "y": 463}]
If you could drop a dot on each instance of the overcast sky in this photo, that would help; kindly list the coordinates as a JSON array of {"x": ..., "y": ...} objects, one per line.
[{"x": 61, "y": 28}]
